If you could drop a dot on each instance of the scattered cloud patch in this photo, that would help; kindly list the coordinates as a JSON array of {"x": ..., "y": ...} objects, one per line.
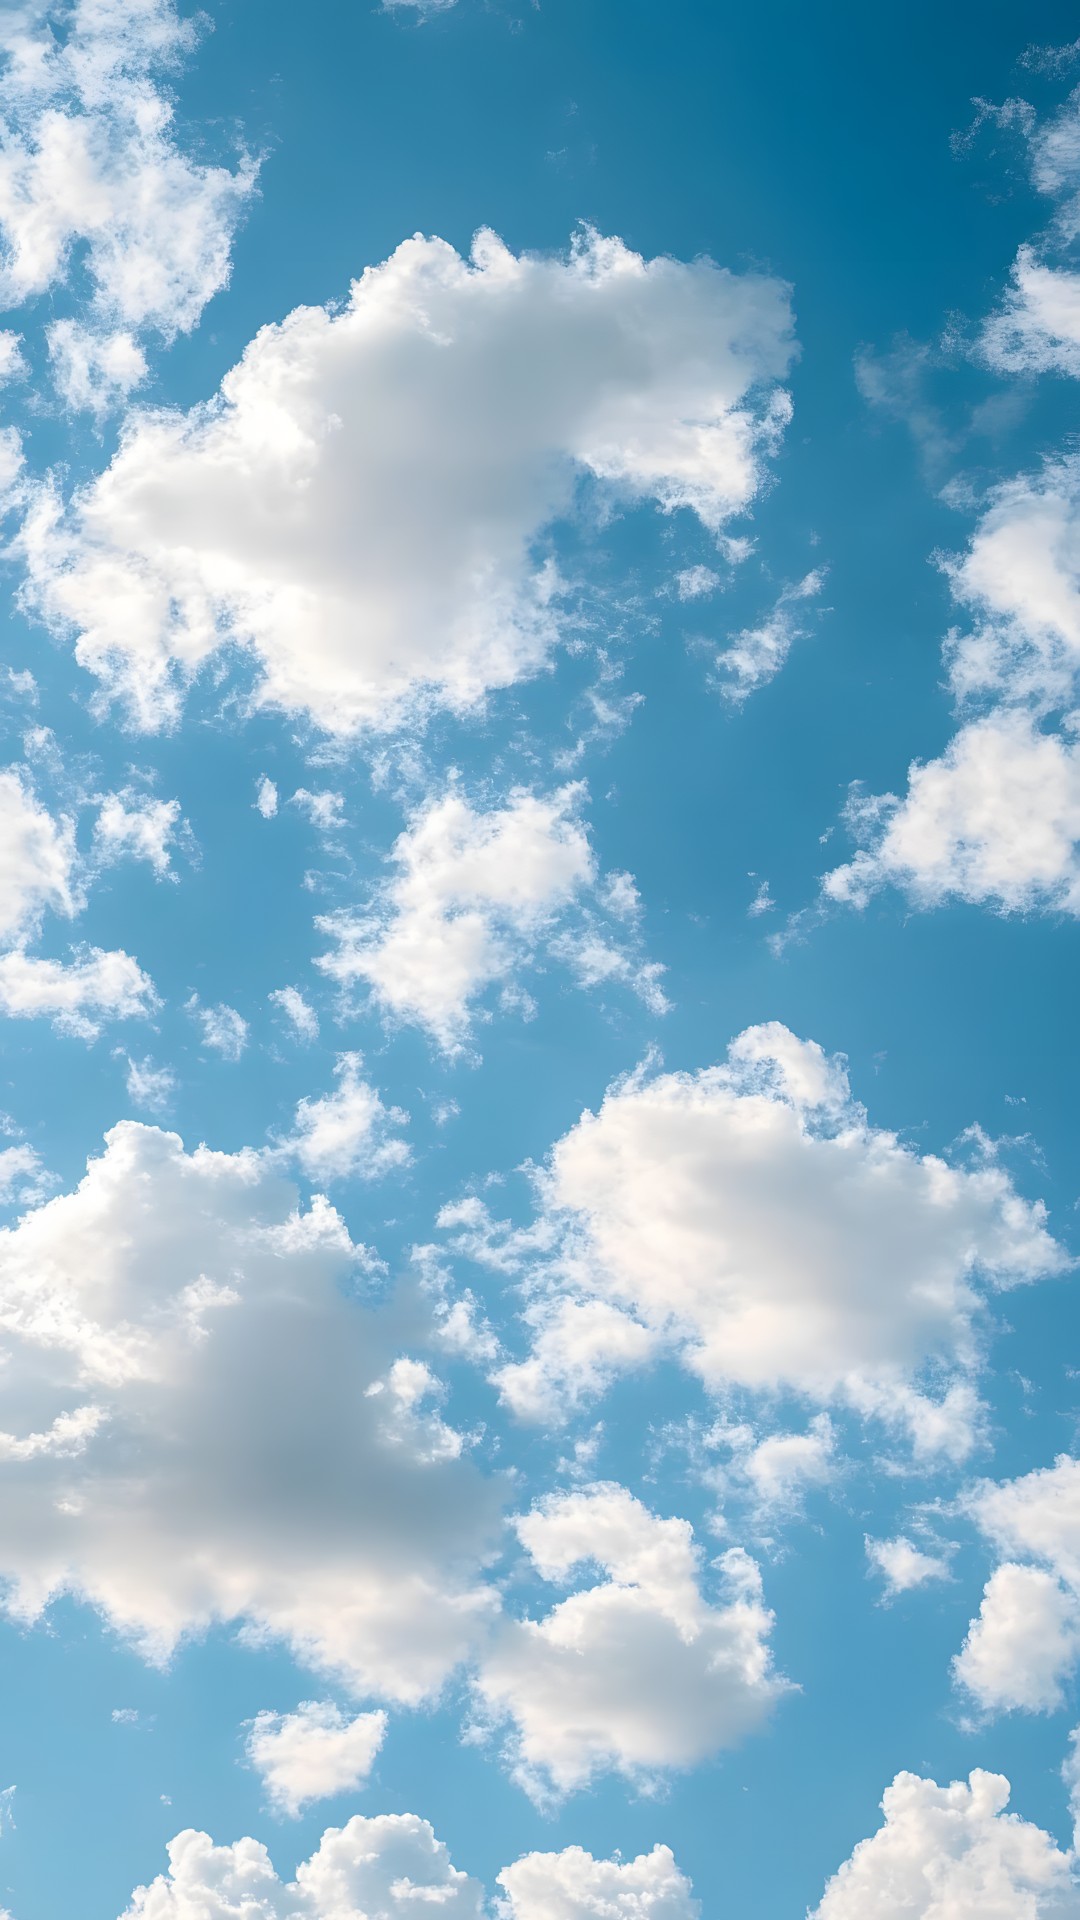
[
  {"x": 224, "y": 1030},
  {"x": 756, "y": 655},
  {"x": 478, "y": 895},
  {"x": 637, "y": 1674},
  {"x": 903, "y": 1566},
  {"x": 94, "y": 177},
  {"x": 301, "y": 1017},
  {"x": 348, "y": 1133}
]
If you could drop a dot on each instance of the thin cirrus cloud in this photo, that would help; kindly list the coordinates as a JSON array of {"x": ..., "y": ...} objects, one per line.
[
  {"x": 478, "y": 895},
  {"x": 736, "y": 1217},
  {"x": 360, "y": 508}
]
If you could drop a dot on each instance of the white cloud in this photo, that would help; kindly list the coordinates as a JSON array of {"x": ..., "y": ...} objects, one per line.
[
  {"x": 149, "y": 1087},
  {"x": 694, "y": 583},
  {"x": 13, "y": 365},
  {"x": 37, "y": 859},
  {"x": 94, "y": 372},
  {"x": 1037, "y": 329},
  {"x": 782, "y": 1467},
  {"x": 946, "y": 1853},
  {"x": 135, "y": 825},
  {"x": 23, "y": 1180},
  {"x": 324, "y": 810},
  {"x": 347, "y": 1132},
  {"x": 571, "y": 1885},
  {"x": 385, "y": 1868},
  {"x": 1025, "y": 1641},
  {"x": 266, "y": 798},
  {"x": 235, "y": 1438},
  {"x": 1020, "y": 576},
  {"x": 476, "y": 896},
  {"x": 750, "y": 1217},
  {"x": 637, "y": 1674},
  {"x": 995, "y": 821},
  {"x": 313, "y": 1753},
  {"x": 756, "y": 655},
  {"x": 301, "y": 1017},
  {"x": 224, "y": 1030},
  {"x": 94, "y": 987},
  {"x": 91, "y": 170},
  {"x": 361, "y": 507},
  {"x": 903, "y": 1565}
]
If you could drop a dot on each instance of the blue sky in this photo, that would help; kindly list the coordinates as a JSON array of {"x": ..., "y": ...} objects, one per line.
[{"x": 539, "y": 880}]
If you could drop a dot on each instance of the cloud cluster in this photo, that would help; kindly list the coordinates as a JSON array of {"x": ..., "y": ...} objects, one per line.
[
  {"x": 944, "y": 1853},
  {"x": 478, "y": 895},
  {"x": 387, "y": 1867},
  {"x": 40, "y": 871},
  {"x": 359, "y": 509},
  {"x": 207, "y": 1425},
  {"x": 95, "y": 184},
  {"x": 1025, "y": 1641},
  {"x": 996, "y": 818},
  {"x": 750, "y": 1218},
  {"x": 639, "y": 1673}
]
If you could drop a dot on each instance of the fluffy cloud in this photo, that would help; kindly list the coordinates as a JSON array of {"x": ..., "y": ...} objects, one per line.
[
  {"x": 573, "y": 1886},
  {"x": 1037, "y": 329},
  {"x": 946, "y": 1853},
  {"x": 1025, "y": 1641},
  {"x": 1020, "y": 577},
  {"x": 224, "y": 1030},
  {"x": 361, "y": 505},
  {"x": 750, "y": 1216},
  {"x": 903, "y": 1565},
  {"x": 136, "y": 826},
  {"x": 378, "y": 1869},
  {"x": 637, "y": 1674},
  {"x": 37, "y": 859},
  {"x": 385, "y": 1868},
  {"x": 79, "y": 997},
  {"x": 995, "y": 820},
  {"x": 477, "y": 894},
  {"x": 233, "y": 1436},
  {"x": 313, "y": 1753},
  {"x": 91, "y": 173},
  {"x": 347, "y": 1132},
  {"x": 23, "y": 1179}
]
